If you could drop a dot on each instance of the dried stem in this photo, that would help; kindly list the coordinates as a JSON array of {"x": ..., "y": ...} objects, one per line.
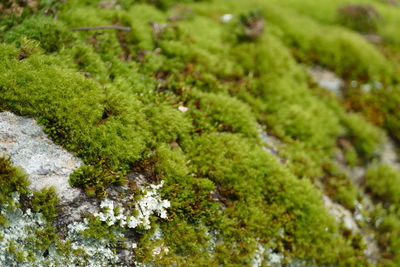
[{"x": 113, "y": 27}]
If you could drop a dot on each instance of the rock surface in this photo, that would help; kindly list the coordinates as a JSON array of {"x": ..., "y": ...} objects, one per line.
[
  {"x": 326, "y": 79},
  {"x": 46, "y": 164},
  {"x": 341, "y": 214}
]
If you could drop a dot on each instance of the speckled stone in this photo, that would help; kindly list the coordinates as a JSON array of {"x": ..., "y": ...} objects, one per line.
[{"x": 46, "y": 163}]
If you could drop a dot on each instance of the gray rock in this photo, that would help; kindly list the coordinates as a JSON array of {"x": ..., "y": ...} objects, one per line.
[
  {"x": 326, "y": 79},
  {"x": 46, "y": 164}
]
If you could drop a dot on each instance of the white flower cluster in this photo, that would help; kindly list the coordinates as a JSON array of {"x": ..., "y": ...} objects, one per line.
[{"x": 151, "y": 203}]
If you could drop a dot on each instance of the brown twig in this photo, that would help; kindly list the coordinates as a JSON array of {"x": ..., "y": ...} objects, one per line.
[{"x": 113, "y": 27}]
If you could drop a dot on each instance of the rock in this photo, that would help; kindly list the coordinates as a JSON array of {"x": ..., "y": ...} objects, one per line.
[
  {"x": 391, "y": 2},
  {"x": 109, "y": 4},
  {"x": 389, "y": 155},
  {"x": 46, "y": 163},
  {"x": 226, "y": 18},
  {"x": 158, "y": 28},
  {"x": 359, "y": 17},
  {"x": 271, "y": 144},
  {"x": 326, "y": 79},
  {"x": 373, "y": 38},
  {"x": 254, "y": 25},
  {"x": 183, "y": 109},
  {"x": 341, "y": 214}
]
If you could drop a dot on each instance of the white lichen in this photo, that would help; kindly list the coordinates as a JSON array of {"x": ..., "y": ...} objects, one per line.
[
  {"x": 258, "y": 256},
  {"x": 150, "y": 204},
  {"x": 17, "y": 249},
  {"x": 16, "y": 238}
]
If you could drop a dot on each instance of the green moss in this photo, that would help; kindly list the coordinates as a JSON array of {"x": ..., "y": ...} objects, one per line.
[
  {"x": 366, "y": 139},
  {"x": 345, "y": 52},
  {"x": 384, "y": 183},
  {"x": 168, "y": 124},
  {"x": 217, "y": 112},
  {"x": 51, "y": 34},
  {"x": 95, "y": 180},
  {"x": 294, "y": 202},
  {"x": 362, "y": 18},
  {"x": 340, "y": 188},
  {"x": 94, "y": 121},
  {"x": 98, "y": 230},
  {"x": 12, "y": 180},
  {"x": 43, "y": 239},
  {"x": 45, "y": 201},
  {"x": 114, "y": 98},
  {"x": 387, "y": 221},
  {"x": 88, "y": 62}
]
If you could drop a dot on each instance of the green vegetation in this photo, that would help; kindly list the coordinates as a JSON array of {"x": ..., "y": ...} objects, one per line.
[
  {"x": 45, "y": 201},
  {"x": 384, "y": 183},
  {"x": 182, "y": 98},
  {"x": 94, "y": 180},
  {"x": 11, "y": 180}
]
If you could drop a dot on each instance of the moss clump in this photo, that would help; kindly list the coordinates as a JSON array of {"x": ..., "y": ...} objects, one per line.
[
  {"x": 378, "y": 106},
  {"x": 340, "y": 188},
  {"x": 366, "y": 139},
  {"x": 102, "y": 127},
  {"x": 45, "y": 201},
  {"x": 263, "y": 178},
  {"x": 384, "y": 183},
  {"x": 95, "y": 180},
  {"x": 168, "y": 124},
  {"x": 388, "y": 226},
  {"x": 11, "y": 180},
  {"x": 362, "y": 18},
  {"x": 98, "y": 230},
  {"x": 51, "y": 34},
  {"x": 217, "y": 112}
]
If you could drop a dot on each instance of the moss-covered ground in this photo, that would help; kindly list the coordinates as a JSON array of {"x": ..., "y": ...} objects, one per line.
[{"x": 182, "y": 96}]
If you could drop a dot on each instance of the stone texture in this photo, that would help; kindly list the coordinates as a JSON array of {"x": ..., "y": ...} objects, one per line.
[
  {"x": 326, "y": 79},
  {"x": 341, "y": 214},
  {"x": 46, "y": 164}
]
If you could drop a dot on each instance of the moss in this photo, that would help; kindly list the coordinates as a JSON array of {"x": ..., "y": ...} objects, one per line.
[
  {"x": 45, "y": 201},
  {"x": 343, "y": 51},
  {"x": 366, "y": 139},
  {"x": 113, "y": 98},
  {"x": 362, "y": 18},
  {"x": 263, "y": 178},
  {"x": 217, "y": 112},
  {"x": 90, "y": 127},
  {"x": 51, "y": 34},
  {"x": 168, "y": 124},
  {"x": 98, "y": 230},
  {"x": 340, "y": 188},
  {"x": 95, "y": 180},
  {"x": 12, "y": 180},
  {"x": 88, "y": 62},
  {"x": 43, "y": 239},
  {"x": 383, "y": 181}
]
